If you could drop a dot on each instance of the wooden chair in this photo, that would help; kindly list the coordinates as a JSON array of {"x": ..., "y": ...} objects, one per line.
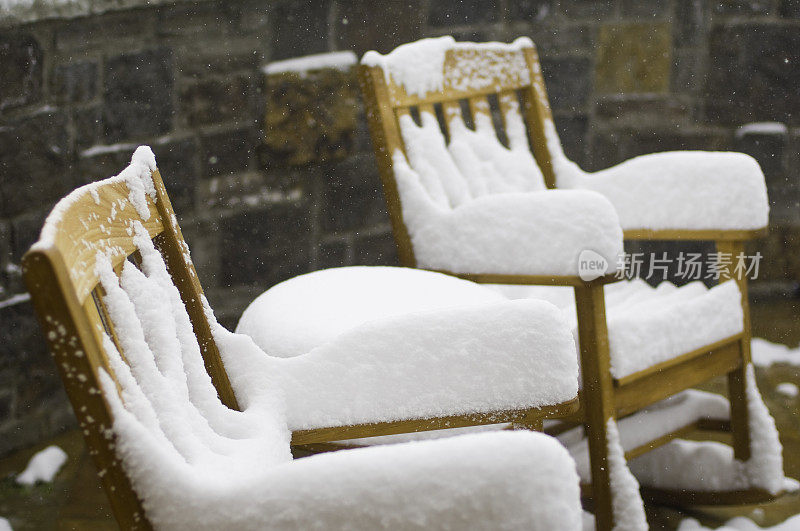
[
  {"x": 516, "y": 76},
  {"x": 60, "y": 272}
]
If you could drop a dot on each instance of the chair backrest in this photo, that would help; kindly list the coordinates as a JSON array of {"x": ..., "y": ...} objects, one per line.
[
  {"x": 472, "y": 76},
  {"x": 60, "y": 272}
]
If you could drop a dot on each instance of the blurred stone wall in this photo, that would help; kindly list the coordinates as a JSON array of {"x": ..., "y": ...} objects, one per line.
[{"x": 276, "y": 177}]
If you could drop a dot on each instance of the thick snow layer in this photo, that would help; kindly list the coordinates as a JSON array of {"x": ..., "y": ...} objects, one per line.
[
  {"x": 468, "y": 221},
  {"x": 330, "y": 302},
  {"x": 301, "y": 65},
  {"x": 5, "y": 525},
  {"x": 43, "y": 466},
  {"x": 419, "y": 66},
  {"x": 740, "y": 523},
  {"x": 428, "y": 362},
  {"x": 674, "y": 190},
  {"x": 766, "y": 353},
  {"x": 649, "y": 325},
  {"x": 625, "y": 499},
  {"x": 787, "y": 389},
  {"x": 199, "y": 465},
  {"x": 710, "y": 465},
  {"x": 651, "y": 423}
]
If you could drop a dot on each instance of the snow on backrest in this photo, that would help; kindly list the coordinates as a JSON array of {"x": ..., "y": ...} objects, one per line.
[
  {"x": 474, "y": 163},
  {"x": 158, "y": 366}
]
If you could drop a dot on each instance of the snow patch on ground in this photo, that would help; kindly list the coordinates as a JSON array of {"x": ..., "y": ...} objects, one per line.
[
  {"x": 787, "y": 389},
  {"x": 765, "y": 353},
  {"x": 762, "y": 128},
  {"x": 43, "y": 466},
  {"x": 741, "y": 523},
  {"x": 5, "y": 525}
]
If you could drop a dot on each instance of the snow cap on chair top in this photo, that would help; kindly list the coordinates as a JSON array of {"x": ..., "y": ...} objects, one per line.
[
  {"x": 137, "y": 176},
  {"x": 419, "y": 66}
]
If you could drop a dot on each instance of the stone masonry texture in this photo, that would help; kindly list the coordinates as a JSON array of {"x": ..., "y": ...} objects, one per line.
[{"x": 273, "y": 176}]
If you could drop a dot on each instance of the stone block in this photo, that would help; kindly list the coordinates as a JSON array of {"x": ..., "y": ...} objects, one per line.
[
  {"x": 299, "y": 28},
  {"x": 462, "y": 12},
  {"x": 741, "y": 8},
  {"x": 88, "y": 126},
  {"x": 34, "y": 162},
  {"x": 334, "y": 253},
  {"x": 650, "y": 10},
  {"x": 687, "y": 73},
  {"x": 633, "y": 57},
  {"x": 531, "y": 10},
  {"x": 212, "y": 101},
  {"x": 637, "y": 109},
  {"x": 613, "y": 145},
  {"x": 138, "y": 94},
  {"x": 572, "y": 129},
  {"x": 74, "y": 82},
  {"x": 690, "y": 22},
  {"x": 119, "y": 30},
  {"x": 375, "y": 249},
  {"x": 203, "y": 19},
  {"x": 21, "y": 64},
  {"x": 265, "y": 246},
  {"x": 102, "y": 162},
  {"x": 204, "y": 64},
  {"x": 789, "y": 8},
  {"x": 311, "y": 118},
  {"x": 179, "y": 164},
  {"x": 596, "y": 10},
  {"x": 352, "y": 196},
  {"x": 226, "y": 152},
  {"x": 26, "y": 229},
  {"x": 568, "y": 81},
  {"x": 360, "y": 27},
  {"x": 753, "y": 74},
  {"x": 203, "y": 239}
]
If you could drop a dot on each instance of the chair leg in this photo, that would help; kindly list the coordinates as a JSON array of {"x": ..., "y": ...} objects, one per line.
[
  {"x": 596, "y": 395},
  {"x": 737, "y": 379}
]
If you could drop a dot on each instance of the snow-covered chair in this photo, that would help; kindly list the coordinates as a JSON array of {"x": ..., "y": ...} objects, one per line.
[
  {"x": 190, "y": 425},
  {"x": 462, "y": 202}
]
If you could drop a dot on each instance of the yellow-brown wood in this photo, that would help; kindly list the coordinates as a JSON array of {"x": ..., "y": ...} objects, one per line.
[
  {"x": 737, "y": 378},
  {"x": 386, "y": 140},
  {"x": 597, "y": 394},
  {"x": 679, "y": 360},
  {"x": 535, "y": 280},
  {"x": 703, "y": 235},
  {"x": 527, "y": 417},
  {"x": 676, "y": 378},
  {"x": 537, "y": 114}
]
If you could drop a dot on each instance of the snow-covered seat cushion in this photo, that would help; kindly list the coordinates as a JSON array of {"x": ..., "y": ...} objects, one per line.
[
  {"x": 413, "y": 344},
  {"x": 647, "y": 325},
  {"x": 694, "y": 190}
]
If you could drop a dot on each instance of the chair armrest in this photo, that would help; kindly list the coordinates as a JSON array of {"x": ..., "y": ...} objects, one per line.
[
  {"x": 682, "y": 194},
  {"x": 536, "y": 234},
  {"x": 431, "y": 364},
  {"x": 695, "y": 235}
]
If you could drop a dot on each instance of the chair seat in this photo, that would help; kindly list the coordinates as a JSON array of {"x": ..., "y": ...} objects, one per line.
[
  {"x": 647, "y": 325},
  {"x": 359, "y": 345}
]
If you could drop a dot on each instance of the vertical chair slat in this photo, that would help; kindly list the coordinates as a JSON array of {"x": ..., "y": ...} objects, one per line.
[{"x": 536, "y": 110}]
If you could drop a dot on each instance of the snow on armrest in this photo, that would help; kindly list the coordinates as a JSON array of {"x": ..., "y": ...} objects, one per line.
[
  {"x": 534, "y": 233},
  {"x": 690, "y": 190},
  {"x": 488, "y": 357}
]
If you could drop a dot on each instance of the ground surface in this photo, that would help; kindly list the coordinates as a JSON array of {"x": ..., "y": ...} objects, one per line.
[{"x": 76, "y": 501}]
